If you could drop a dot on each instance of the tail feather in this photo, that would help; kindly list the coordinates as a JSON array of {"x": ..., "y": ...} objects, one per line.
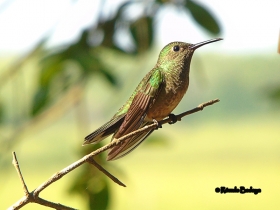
[
  {"x": 105, "y": 130},
  {"x": 129, "y": 145}
]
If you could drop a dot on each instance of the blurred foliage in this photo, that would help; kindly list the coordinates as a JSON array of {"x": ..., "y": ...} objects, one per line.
[
  {"x": 1, "y": 113},
  {"x": 75, "y": 63},
  {"x": 92, "y": 184},
  {"x": 84, "y": 52},
  {"x": 274, "y": 95},
  {"x": 203, "y": 17}
]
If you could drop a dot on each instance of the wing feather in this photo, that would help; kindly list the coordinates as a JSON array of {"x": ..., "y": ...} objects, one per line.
[
  {"x": 120, "y": 151},
  {"x": 135, "y": 117},
  {"x": 105, "y": 130}
]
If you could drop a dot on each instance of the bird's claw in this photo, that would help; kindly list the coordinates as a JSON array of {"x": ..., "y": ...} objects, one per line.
[
  {"x": 173, "y": 118},
  {"x": 157, "y": 123},
  {"x": 118, "y": 142}
]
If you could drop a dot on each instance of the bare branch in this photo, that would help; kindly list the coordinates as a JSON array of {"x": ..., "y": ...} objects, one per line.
[
  {"x": 34, "y": 195},
  {"x": 200, "y": 107},
  {"x": 107, "y": 173},
  {"x": 29, "y": 197},
  {"x": 15, "y": 163},
  {"x": 53, "y": 205}
]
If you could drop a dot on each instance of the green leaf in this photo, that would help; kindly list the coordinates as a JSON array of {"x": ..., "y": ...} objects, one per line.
[
  {"x": 1, "y": 113},
  {"x": 40, "y": 100},
  {"x": 108, "y": 28},
  {"x": 162, "y": 1},
  {"x": 50, "y": 68},
  {"x": 91, "y": 184},
  {"x": 122, "y": 7},
  {"x": 274, "y": 95},
  {"x": 100, "y": 200},
  {"x": 111, "y": 78},
  {"x": 142, "y": 32},
  {"x": 203, "y": 17}
]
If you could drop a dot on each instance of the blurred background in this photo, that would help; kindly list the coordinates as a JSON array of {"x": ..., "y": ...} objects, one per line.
[{"x": 67, "y": 66}]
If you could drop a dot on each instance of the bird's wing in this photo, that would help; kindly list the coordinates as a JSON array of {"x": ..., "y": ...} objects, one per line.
[
  {"x": 136, "y": 114},
  {"x": 105, "y": 130},
  {"x": 129, "y": 145}
]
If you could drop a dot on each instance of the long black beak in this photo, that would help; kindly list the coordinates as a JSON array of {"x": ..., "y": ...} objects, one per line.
[{"x": 195, "y": 46}]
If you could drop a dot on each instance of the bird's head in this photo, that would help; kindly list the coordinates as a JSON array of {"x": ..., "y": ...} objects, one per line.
[{"x": 179, "y": 53}]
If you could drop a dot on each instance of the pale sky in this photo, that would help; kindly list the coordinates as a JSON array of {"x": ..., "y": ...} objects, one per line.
[{"x": 248, "y": 26}]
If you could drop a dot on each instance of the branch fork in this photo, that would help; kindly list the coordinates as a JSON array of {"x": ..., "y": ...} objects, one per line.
[{"x": 33, "y": 197}]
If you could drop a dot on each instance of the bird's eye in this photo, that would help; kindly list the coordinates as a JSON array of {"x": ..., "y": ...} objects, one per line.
[{"x": 176, "y": 48}]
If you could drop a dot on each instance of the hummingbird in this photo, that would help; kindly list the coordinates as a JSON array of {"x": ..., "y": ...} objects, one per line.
[{"x": 156, "y": 96}]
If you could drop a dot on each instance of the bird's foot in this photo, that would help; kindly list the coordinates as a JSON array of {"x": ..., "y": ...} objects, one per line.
[
  {"x": 157, "y": 123},
  {"x": 173, "y": 118},
  {"x": 118, "y": 142}
]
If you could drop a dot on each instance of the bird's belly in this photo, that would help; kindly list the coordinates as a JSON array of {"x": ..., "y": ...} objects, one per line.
[{"x": 165, "y": 104}]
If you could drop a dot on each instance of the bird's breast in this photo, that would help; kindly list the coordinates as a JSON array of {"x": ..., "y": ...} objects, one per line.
[{"x": 167, "y": 99}]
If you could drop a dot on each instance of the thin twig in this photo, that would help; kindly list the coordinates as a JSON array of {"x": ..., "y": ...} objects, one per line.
[
  {"x": 107, "y": 173},
  {"x": 15, "y": 163},
  {"x": 29, "y": 197},
  {"x": 53, "y": 205},
  {"x": 89, "y": 158},
  {"x": 200, "y": 107}
]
